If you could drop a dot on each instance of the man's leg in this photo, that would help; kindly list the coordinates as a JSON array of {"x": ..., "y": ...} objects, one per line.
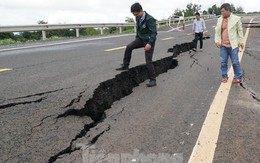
[
  {"x": 201, "y": 39},
  {"x": 150, "y": 67},
  {"x": 224, "y": 61},
  {"x": 235, "y": 62},
  {"x": 137, "y": 43},
  {"x": 195, "y": 41}
]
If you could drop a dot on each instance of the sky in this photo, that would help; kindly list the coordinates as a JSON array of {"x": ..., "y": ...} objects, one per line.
[{"x": 29, "y": 12}]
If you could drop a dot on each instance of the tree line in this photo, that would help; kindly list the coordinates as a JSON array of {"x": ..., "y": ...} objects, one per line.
[{"x": 214, "y": 9}]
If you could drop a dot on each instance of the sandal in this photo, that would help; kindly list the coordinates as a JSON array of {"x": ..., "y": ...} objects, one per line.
[
  {"x": 236, "y": 81},
  {"x": 224, "y": 80}
]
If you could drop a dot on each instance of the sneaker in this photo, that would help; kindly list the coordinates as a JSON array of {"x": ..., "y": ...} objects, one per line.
[
  {"x": 151, "y": 83},
  {"x": 201, "y": 50},
  {"x": 194, "y": 49},
  {"x": 123, "y": 67},
  {"x": 236, "y": 81},
  {"x": 224, "y": 80}
]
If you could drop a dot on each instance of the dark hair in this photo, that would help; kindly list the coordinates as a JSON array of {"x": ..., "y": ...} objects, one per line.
[
  {"x": 197, "y": 14},
  {"x": 136, "y": 7},
  {"x": 226, "y": 6}
]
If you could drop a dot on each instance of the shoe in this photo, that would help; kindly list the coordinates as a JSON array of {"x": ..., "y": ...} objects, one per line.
[
  {"x": 194, "y": 49},
  {"x": 236, "y": 81},
  {"x": 224, "y": 80},
  {"x": 151, "y": 83},
  {"x": 201, "y": 50},
  {"x": 123, "y": 67}
]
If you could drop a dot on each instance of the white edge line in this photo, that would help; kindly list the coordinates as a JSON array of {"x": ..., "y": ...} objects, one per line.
[{"x": 61, "y": 43}]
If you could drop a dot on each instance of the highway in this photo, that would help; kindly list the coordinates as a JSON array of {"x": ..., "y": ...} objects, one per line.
[{"x": 55, "y": 102}]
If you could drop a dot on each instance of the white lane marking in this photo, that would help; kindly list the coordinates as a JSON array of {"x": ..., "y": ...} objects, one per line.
[
  {"x": 205, "y": 146},
  {"x": 169, "y": 38},
  {"x": 5, "y": 69},
  {"x": 113, "y": 49}
]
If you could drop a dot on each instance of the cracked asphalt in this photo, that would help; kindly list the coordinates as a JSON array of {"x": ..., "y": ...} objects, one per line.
[{"x": 58, "y": 97}]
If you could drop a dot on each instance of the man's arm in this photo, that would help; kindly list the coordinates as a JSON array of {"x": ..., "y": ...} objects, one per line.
[
  {"x": 240, "y": 34},
  {"x": 218, "y": 34},
  {"x": 193, "y": 28},
  {"x": 204, "y": 26},
  {"x": 151, "y": 23}
]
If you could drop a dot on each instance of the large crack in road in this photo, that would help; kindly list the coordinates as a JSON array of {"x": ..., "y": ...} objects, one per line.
[{"x": 113, "y": 90}]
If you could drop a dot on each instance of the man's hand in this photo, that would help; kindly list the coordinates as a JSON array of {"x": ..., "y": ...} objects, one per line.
[
  {"x": 242, "y": 45},
  {"x": 147, "y": 47},
  {"x": 218, "y": 44},
  {"x": 204, "y": 32},
  {"x": 193, "y": 33}
]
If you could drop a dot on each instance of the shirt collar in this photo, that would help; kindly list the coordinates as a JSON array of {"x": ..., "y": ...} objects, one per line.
[{"x": 142, "y": 18}]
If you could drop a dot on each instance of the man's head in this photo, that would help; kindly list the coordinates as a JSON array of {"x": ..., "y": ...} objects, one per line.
[
  {"x": 225, "y": 10},
  {"x": 197, "y": 15},
  {"x": 137, "y": 10}
]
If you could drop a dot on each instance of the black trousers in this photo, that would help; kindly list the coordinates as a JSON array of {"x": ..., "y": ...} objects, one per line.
[
  {"x": 138, "y": 43},
  {"x": 198, "y": 36}
]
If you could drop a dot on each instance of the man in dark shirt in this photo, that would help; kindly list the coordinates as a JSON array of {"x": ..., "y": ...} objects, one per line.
[{"x": 145, "y": 37}]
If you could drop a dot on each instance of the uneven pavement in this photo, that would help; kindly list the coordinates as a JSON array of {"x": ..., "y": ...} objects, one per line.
[{"x": 78, "y": 99}]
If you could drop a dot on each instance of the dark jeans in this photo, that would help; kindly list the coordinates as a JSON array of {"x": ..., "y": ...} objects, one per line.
[
  {"x": 138, "y": 43},
  {"x": 198, "y": 36}
]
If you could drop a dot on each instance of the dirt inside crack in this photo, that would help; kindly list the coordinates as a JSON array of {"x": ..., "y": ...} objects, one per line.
[{"x": 113, "y": 90}]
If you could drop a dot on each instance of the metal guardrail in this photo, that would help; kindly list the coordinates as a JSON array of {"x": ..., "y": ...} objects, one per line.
[
  {"x": 101, "y": 26},
  {"x": 252, "y": 14}
]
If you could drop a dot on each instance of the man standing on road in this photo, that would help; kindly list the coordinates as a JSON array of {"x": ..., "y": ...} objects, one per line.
[
  {"x": 197, "y": 29},
  {"x": 229, "y": 37},
  {"x": 145, "y": 37}
]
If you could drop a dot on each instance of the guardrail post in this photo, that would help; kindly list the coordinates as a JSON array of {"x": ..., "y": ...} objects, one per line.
[
  {"x": 43, "y": 35},
  {"x": 77, "y": 32},
  {"x": 120, "y": 29},
  {"x": 158, "y": 25},
  {"x": 135, "y": 29},
  {"x": 102, "y": 30}
]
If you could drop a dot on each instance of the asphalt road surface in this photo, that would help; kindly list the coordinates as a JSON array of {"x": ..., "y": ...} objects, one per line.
[{"x": 55, "y": 103}]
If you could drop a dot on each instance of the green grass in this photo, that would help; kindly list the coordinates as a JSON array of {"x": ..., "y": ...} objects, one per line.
[{"x": 8, "y": 41}]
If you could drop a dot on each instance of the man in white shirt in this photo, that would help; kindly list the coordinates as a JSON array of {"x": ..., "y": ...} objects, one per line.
[{"x": 197, "y": 29}]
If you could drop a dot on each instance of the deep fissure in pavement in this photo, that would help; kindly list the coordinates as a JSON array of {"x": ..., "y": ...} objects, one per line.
[
  {"x": 122, "y": 85},
  {"x": 252, "y": 25},
  {"x": 113, "y": 90}
]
